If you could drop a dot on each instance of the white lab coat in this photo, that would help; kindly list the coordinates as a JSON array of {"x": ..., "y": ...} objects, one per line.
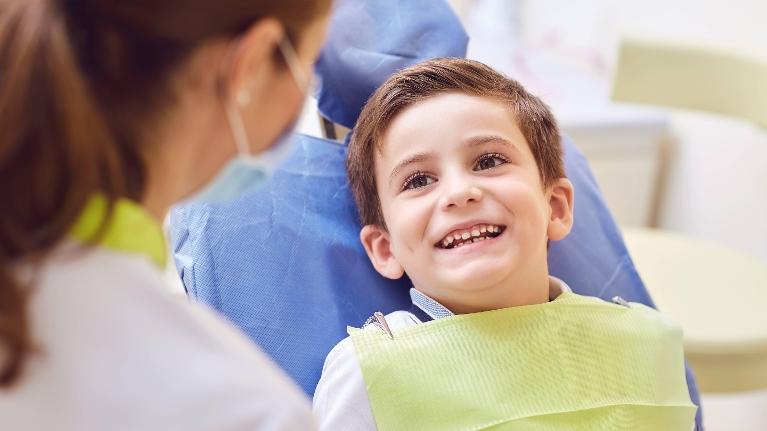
[{"x": 117, "y": 351}]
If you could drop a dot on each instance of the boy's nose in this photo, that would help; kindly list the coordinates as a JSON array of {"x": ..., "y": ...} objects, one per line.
[{"x": 460, "y": 194}]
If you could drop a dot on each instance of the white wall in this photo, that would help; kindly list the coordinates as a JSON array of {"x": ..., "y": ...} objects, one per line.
[
  {"x": 735, "y": 25},
  {"x": 716, "y": 183}
]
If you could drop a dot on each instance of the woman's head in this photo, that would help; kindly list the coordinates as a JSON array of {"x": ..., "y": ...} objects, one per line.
[
  {"x": 130, "y": 99},
  {"x": 159, "y": 69}
]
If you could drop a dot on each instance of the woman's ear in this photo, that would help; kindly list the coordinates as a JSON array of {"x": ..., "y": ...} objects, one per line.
[
  {"x": 378, "y": 247},
  {"x": 560, "y": 209},
  {"x": 251, "y": 58}
]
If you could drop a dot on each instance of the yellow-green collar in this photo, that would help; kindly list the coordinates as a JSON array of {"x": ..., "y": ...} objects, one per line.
[{"x": 131, "y": 229}]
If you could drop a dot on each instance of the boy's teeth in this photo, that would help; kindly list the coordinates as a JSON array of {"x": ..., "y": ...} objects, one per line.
[{"x": 469, "y": 237}]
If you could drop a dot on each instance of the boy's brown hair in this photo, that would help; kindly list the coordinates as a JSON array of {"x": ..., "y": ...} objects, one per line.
[{"x": 431, "y": 78}]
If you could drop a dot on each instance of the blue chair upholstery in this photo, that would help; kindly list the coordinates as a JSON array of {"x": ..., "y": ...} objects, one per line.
[
  {"x": 367, "y": 41},
  {"x": 284, "y": 262}
]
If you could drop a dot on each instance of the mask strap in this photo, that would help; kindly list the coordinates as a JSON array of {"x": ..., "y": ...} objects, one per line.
[
  {"x": 238, "y": 130},
  {"x": 291, "y": 58}
]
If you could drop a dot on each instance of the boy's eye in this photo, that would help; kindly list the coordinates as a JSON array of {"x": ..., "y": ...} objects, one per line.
[
  {"x": 489, "y": 161},
  {"x": 417, "y": 180}
]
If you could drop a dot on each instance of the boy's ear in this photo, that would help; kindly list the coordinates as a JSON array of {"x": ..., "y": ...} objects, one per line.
[
  {"x": 378, "y": 247},
  {"x": 561, "y": 209}
]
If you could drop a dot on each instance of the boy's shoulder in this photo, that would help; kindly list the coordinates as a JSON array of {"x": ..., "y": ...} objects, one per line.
[
  {"x": 344, "y": 352},
  {"x": 398, "y": 320}
]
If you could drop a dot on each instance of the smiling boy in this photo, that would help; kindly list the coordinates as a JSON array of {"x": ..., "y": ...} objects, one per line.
[
  {"x": 458, "y": 176},
  {"x": 451, "y": 162}
]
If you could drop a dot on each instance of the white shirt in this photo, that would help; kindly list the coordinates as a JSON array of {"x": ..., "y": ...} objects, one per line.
[
  {"x": 117, "y": 351},
  {"x": 341, "y": 401}
]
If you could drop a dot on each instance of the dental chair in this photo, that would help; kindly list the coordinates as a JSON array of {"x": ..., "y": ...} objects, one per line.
[{"x": 285, "y": 263}]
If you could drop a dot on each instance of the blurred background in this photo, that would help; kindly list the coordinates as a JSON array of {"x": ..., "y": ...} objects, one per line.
[{"x": 688, "y": 187}]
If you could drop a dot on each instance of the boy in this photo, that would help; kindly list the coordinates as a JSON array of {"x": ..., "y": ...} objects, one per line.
[{"x": 458, "y": 177}]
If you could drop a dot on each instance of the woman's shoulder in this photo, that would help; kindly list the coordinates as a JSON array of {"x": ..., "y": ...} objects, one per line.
[
  {"x": 124, "y": 293},
  {"x": 109, "y": 322}
]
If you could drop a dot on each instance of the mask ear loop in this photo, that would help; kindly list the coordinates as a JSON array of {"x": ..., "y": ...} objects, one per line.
[
  {"x": 294, "y": 65},
  {"x": 230, "y": 102},
  {"x": 238, "y": 130}
]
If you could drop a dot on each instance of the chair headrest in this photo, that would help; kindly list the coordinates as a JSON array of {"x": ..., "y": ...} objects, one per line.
[{"x": 369, "y": 40}]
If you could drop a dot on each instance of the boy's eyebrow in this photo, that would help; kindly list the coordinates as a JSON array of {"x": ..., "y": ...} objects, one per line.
[
  {"x": 415, "y": 158},
  {"x": 483, "y": 139}
]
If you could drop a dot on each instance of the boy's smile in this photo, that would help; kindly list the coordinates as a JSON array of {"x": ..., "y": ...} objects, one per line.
[
  {"x": 462, "y": 236},
  {"x": 466, "y": 212}
]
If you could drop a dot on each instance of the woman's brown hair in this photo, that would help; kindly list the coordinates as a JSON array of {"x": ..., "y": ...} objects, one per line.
[
  {"x": 430, "y": 78},
  {"x": 77, "y": 78}
]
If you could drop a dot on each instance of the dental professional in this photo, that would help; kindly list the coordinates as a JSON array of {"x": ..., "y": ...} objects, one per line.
[{"x": 110, "y": 112}]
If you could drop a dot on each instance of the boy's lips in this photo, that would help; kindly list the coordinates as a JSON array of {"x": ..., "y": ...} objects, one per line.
[{"x": 470, "y": 234}]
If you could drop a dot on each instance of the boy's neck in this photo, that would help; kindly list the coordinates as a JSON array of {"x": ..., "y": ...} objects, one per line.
[{"x": 511, "y": 293}]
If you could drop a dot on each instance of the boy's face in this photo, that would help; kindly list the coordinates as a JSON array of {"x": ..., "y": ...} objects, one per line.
[{"x": 468, "y": 218}]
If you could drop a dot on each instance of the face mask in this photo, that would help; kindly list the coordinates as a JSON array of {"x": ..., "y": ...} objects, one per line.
[{"x": 247, "y": 171}]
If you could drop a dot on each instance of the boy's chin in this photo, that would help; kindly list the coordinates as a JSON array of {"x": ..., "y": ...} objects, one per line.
[
  {"x": 488, "y": 269},
  {"x": 473, "y": 279}
]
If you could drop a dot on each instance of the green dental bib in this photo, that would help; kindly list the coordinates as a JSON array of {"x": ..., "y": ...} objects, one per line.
[{"x": 576, "y": 363}]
